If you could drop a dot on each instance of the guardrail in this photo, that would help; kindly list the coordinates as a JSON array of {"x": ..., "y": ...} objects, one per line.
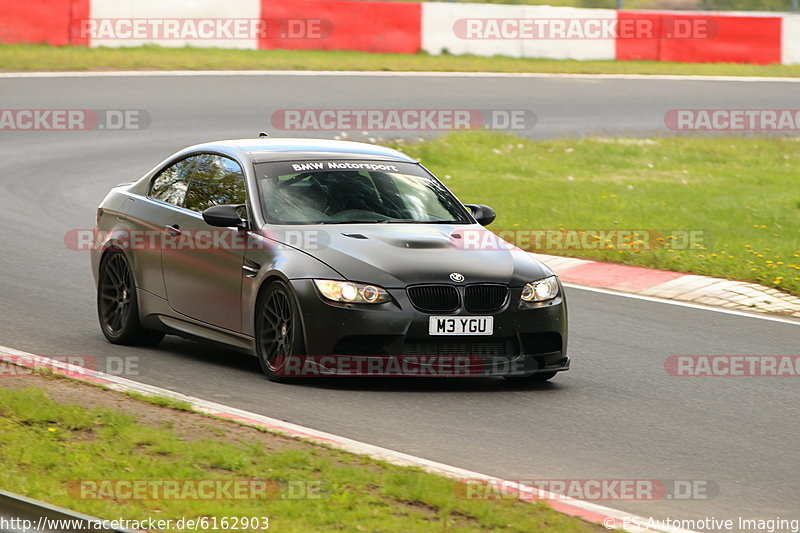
[
  {"x": 455, "y": 28},
  {"x": 19, "y": 514}
]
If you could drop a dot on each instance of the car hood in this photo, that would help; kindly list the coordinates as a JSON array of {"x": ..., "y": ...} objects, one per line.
[{"x": 397, "y": 255}]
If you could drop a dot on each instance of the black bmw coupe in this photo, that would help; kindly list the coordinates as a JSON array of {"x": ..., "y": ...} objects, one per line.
[{"x": 322, "y": 258}]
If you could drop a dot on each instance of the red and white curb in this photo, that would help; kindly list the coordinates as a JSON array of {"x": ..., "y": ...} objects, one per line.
[
  {"x": 610, "y": 518},
  {"x": 728, "y": 294}
]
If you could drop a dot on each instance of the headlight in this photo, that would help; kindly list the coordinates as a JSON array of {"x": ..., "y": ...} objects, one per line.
[
  {"x": 540, "y": 291},
  {"x": 356, "y": 293}
]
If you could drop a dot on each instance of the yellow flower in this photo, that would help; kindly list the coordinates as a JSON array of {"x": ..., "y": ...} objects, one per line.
[{"x": 52, "y": 430}]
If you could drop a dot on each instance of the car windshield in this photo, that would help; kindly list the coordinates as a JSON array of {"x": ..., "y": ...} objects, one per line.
[{"x": 349, "y": 192}]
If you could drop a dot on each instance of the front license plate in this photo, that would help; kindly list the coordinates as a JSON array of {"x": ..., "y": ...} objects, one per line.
[{"x": 460, "y": 325}]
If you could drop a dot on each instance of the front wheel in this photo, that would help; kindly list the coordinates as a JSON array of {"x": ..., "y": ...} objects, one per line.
[
  {"x": 278, "y": 333},
  {"x": 118, "y": 306}
]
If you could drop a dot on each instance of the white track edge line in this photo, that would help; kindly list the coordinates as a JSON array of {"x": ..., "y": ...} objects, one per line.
[
  {"x": 121, "y": 384},
  {"x": 761, "y": 315},
  {"x": 368, "y": 73}
]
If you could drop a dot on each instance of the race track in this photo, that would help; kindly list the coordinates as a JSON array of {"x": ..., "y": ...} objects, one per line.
[{"x": 616, "y": 414}]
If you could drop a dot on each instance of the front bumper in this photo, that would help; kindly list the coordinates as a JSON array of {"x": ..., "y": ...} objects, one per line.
[{"x": 392, "y": 339}]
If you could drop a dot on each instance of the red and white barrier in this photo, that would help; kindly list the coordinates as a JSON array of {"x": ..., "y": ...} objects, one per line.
[
  {"x": 42, "y": 21},
  {"x": 108, "y": 14},
  {"x": 731, "y": 38},
  {"x": 440, "y": 18},
  {"x": 449, "y": 27},
  {"x": 790, "y": 40},
  {"x": 588, "y": 48},
  {"x": 385, "y": 27},
  {"x": 407, "y": 27}
]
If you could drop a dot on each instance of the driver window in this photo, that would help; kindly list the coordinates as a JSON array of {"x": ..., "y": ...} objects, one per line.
[{"x": 216, "y": 180}]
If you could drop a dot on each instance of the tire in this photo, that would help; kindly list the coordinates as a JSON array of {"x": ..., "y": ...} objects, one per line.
[
  {"x": 278, "y": 330},
  {"x": 539, "y": 377},
  {"x": 118, "y": 305}
]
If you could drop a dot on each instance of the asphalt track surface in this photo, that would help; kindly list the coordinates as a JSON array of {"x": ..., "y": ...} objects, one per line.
[{"x": 615, "y": 415}]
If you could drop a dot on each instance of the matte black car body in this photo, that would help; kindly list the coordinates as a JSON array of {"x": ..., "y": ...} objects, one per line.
[{"x": 213, "y": 295}]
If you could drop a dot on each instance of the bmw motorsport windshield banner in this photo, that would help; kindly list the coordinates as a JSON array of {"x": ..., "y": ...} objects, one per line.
[{"x": 283, "y": 168}]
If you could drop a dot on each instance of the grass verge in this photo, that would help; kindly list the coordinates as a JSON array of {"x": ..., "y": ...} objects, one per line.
[
  {"x": 740, "y": 194},
  {"x": 56, "y": 433},
  {"x": 28, "y": 57}
]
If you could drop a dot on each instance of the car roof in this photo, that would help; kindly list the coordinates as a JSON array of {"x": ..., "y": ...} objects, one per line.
[{"x": 282, "y": 149}]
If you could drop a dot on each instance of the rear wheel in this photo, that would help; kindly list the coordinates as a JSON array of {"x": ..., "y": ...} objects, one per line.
[
  {"x": 118, "y": 306},
  {"x": 278, "y": 334}
]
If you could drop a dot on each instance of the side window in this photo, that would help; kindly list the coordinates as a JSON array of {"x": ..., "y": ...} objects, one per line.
[
  {"x": 216, "y": 180},
  {"x": 170, "y": 185}
]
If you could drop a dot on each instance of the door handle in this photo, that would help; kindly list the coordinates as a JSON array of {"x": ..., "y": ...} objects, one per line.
[{"x": 173, "y": 229}]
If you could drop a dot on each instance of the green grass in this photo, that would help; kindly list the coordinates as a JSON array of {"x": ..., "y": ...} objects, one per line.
[
  {"x": 46, "y": 447},
  {"x": 161, "y": 401},
  {"x": 741, "y": 193},
  {"x": 42, "y": 57}
]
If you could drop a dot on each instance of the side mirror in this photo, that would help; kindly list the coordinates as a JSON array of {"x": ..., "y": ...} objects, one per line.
[
  {"x": 223, "y": 216},
  {"x": 484, "y": 214}
]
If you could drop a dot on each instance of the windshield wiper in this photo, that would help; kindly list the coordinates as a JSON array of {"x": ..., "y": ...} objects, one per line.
[
  {"x": 411, "y": 221},
  {"x": 358, "y": 221}
]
